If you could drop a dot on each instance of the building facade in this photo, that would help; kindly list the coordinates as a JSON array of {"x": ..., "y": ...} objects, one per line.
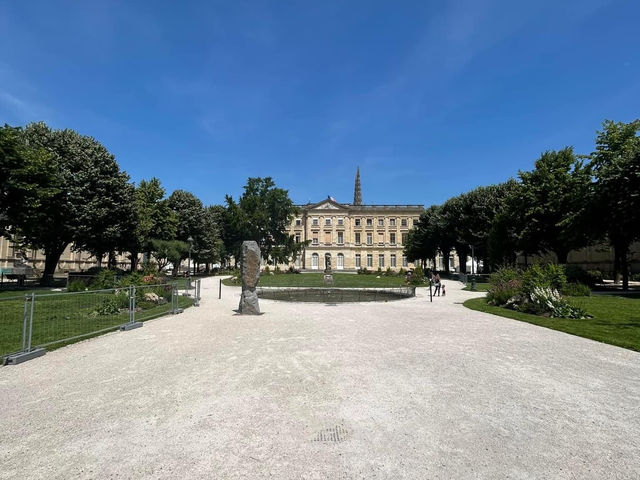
[{"x": 353, "y": 236}]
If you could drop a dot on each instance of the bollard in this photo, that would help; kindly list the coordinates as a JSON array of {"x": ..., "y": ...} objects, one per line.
[{"x": 220, "y": 290}]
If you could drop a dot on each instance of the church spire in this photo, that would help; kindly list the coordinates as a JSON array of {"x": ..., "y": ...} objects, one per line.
[{"x": 357, "y": 191}]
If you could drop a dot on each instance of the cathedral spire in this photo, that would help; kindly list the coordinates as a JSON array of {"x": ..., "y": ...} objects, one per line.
[{"x": 357, "y": 191}]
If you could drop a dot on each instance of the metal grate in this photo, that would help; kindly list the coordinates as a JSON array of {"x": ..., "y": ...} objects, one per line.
[{"x": 335, "y": 434}]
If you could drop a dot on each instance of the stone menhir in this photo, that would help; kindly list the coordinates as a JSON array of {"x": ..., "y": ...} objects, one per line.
[{"x": 250, "y": 271}]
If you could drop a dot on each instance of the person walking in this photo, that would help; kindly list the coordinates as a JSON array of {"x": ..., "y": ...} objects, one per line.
[{"x": 436, "y": 282}]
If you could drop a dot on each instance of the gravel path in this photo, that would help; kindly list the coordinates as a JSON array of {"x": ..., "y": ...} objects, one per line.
[{"x": 404, "y": 389}]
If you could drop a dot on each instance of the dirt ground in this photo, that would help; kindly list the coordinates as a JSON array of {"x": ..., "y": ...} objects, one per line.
[{"x": 404, "y": 389}]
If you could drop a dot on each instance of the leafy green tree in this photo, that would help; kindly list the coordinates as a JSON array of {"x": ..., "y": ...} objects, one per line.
[
  {"x": 28, "y": 179},
  {"x": 89, "y": 184},
  {"x": 553, "y": 194},
  {"x": 210, "y": 247},
  {"x": 616, "y": 205},
  {"x": 191, "y": 220},
  {"x": 425, "y": 238},
  {"x": 263, "y": 213},
  {"x": 154, "y": 219},
  {"x": 173, "y": 251}
]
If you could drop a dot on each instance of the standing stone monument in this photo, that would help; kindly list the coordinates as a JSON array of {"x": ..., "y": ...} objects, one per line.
[
  {"x": 250, "y": 271},
  {"x": 328, "y": 276}
]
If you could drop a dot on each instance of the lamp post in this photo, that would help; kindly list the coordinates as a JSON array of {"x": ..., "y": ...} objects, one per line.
[{"x": 190, "y": 240}]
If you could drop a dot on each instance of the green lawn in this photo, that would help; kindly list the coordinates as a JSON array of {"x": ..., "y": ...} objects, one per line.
[
  {"x": 480, "y": 287},
  {"x": 344, "y": 280},
  {"x": 616, "y": 319},
  {"x": 68, "y": 315}
]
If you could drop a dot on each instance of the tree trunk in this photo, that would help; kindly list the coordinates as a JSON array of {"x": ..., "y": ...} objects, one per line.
[
  {"x": 562, "y": 256},
  {"x": 621, "y": 252},
  {"x": 133, "y": 256},
  {"x": 52, "y": 257},
  {"x": 462, "y": 258}
]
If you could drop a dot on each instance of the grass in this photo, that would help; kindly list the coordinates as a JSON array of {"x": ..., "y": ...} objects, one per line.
[
  {"x": 68, "y": 315},
  {"x": 340, "y": 280},
  {"x": 616, "y": 319},
  {"x": 480, "y": 287}
]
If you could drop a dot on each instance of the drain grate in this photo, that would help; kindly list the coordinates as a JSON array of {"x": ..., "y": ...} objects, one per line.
[{"x": 335, "y": 434}]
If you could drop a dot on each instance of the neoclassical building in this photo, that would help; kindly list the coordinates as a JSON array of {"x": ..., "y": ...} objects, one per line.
[{"x": 353, "y": 236}]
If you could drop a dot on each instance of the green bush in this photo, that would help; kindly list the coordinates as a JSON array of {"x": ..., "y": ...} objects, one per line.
[
  {"x": 134, "y": 279},
  {"x": 635, "y": 277},
  {"x": 149, "y": 268},
  {"x": 548, "y": 276},
  {"x": 389, "y": 272},
  {"x": 505, "y": 284},
  {"x": 576, "y": 290},
  {"x": 595, "y": 276},
  {"x": 109, "y": 306},
  {"x": 534, "y": 291},
  {"x": 417, "y": 276},
  {"x": 76, "y": 286},
  {"x": 105, "y": 279}
]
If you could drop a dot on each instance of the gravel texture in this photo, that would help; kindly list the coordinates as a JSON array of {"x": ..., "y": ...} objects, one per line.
[{"x": 404, "y": 389}]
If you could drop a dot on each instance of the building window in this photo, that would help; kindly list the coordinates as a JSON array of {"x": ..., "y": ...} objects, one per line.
[
  {"x": 358, "y": 238},
  {"x": 357, "y": 222},
  {"x": 327, "y": 221},
  {"x": 403, "y": 222},
  {"x": 404, "y": 261},
  {"x": 381, "y": 222},
  {"x": 404, "y": 238},
  {"x": 314, "y": 221},
  {"x": 369, "y": 260},
  {"x": 358, "y": 260},
  {"x": 314, "y": 238},
  {"x": 392, "y": 222},
  {"x": 381, "y": 260},
  {"x": 381, "y": 238},
  {"x": 340, "y": 261},
  {"x": 341, "y": 221},
  {"x": 392, "y": 261},
  {"x": 314, "y": 261},
  {"x": 392, "y": 238},
  {"x": 369, "y": 222},
  {"x": 327, "y": 237},
  {"x": 340, "y": 238},
  {"x": 369, "y": 238},
  {"x": 297, "y": 238},
  {"x": 298, "y": 222}
]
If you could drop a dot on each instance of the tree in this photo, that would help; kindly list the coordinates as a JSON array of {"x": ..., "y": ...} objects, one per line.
[
  {"x": 552, "y": 195},
  {"x": 154, "y": 219},
  {"x": 28, "y": 179},
  {"x": 191, "y": 219},
  {"x": 263, "y": 213},
  {"x": 425, "y": 238},
  {"x": 89, "y": 184},
  {"x": 165, "y": 251},
  {"x": 616, "y": 206}
]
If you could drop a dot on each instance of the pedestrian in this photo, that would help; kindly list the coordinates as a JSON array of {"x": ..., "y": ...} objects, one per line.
[{"x": 437, "y": 284}]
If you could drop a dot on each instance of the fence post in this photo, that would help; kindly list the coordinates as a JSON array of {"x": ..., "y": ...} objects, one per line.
[
  {"x": 196, "y": 294},
  {"x": 24, "y": 323},
  {"x": 26, "y": 353},
  {"x": 132, "y": 311}
]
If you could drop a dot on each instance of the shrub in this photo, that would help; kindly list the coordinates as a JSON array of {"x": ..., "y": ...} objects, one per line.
[
  {"x": 109, "y": 306},
  {"x": 134, "y": 279},
  {"x": 76, "y": 286},
  {"x": 149, "y": 268},
  {"x": 104, "y": 280},
  {"x": 576, "y": 290},
  {"x": 417, "y": 277},
  {"x": 635, "y": 277},
  {"x": 402, "y": 272},
  {"x": 389, "y": 272},
  {"x": 595, "y": 276},
  {"x": 505, "y": 284},
  {"x": 277, "y": 270},
  {"x": 266, "y": 269},
  {"x": 547, "y": 276}
]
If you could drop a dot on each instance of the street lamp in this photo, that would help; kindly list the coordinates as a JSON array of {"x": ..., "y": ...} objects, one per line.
[{"x": 190, "y": 240}]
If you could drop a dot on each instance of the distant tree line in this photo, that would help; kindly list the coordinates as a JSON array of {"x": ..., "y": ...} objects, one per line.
[
  {"x": 566, "y": 202},
  {"x": 60, "y": 188}
]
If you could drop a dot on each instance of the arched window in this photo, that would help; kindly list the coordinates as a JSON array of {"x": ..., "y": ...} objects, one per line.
[
  {"x": 340, "y": 264},
  {"x": 314, "y": 261}
]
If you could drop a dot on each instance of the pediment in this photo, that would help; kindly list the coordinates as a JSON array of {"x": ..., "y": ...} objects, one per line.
[{"x": 328, "y": 204}]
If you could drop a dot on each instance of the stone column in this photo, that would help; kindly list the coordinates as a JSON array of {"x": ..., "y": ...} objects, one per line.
[{"x": 250, "y": 270}]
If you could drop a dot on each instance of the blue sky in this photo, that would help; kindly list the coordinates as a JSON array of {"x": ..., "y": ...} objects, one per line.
[{"x": 430, "y": 99}]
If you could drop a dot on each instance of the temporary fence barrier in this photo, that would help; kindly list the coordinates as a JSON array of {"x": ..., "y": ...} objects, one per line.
[{"x": 32, "y": 322}]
